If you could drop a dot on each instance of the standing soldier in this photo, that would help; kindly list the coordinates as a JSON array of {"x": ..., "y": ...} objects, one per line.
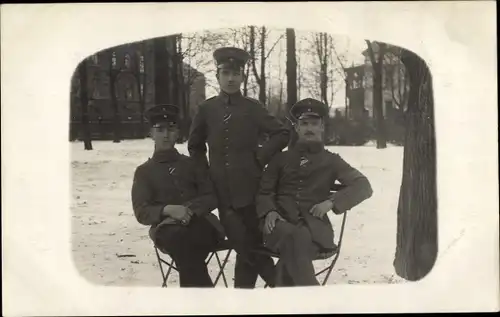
[
  {"x": 231, "y": 124},
  {"x": 295, "y": 196},
  {"x": 175, "y": 197}
]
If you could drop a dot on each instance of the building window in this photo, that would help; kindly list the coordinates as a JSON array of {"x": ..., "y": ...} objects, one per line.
[
  {"x": 95, "y": 88},
  {"x": 129, "y": 94},
  {"x": 356, "y": 82},
  {"x": 141, "y": 65},
  {"x": 126, "y": 61},
  {"x": 95, "y": 59},
  {"x": 113, "y": 59}
]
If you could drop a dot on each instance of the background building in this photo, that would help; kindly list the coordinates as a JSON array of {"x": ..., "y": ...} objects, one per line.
[
  {"x": 359, "y": 89},
  {"x": 132, "y": 69},
  {"x": 394, "y": 83}
]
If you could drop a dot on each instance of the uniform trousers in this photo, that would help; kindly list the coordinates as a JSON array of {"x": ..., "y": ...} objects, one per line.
[
  {"x": 242, "y": 230},
  {"x": 189, "y": 246},
  {"x": 297, "y": 251}
]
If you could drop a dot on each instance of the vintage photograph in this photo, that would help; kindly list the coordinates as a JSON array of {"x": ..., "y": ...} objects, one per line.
[{"x": 253, "y": 157}]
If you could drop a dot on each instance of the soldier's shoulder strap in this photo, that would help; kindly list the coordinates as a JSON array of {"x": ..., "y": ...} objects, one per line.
[
  {"x": 209, "y": 99},
  {"x": 140, "y": 169}
]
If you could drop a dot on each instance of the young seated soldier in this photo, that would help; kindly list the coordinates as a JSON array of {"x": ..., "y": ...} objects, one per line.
[
  {"x": 295, "y": 196},
  {"x": 175, "y": 197}
]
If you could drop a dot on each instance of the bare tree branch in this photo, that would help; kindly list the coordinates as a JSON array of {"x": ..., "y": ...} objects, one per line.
[
  {"x": 252, "y": 53},
  {"x": 274, "y": 44}
]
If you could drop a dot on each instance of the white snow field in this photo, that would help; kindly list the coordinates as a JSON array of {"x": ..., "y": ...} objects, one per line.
[{"x": 103, "y": 224}]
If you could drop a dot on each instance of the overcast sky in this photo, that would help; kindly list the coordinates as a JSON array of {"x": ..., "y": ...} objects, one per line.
[{"x": 349, "y": 48}]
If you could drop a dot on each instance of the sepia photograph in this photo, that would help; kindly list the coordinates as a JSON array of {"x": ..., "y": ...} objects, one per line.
[
  {"x": 249, "y": 158},
  {"x": 253, "y": 157}
]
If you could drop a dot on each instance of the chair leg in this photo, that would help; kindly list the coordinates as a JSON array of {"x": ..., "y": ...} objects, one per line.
[
  {"x": 161, "y": 269},
  {"x": 330, "y": 269},
  {"x": 209, "y": 258},
  {"x": 170, "y": 265},
  {"x": 275, "y": 266},
  {"x": 222, "y": 267}
]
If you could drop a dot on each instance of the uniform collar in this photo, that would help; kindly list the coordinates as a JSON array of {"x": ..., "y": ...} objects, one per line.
[
  {"x": 230, "y": 99},
  {"x": 162, "y": 156},
  {"x": 309, "y": 147}
]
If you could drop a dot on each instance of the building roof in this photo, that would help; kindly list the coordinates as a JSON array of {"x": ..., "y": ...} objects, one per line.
[{"x": 391, "y": 48}]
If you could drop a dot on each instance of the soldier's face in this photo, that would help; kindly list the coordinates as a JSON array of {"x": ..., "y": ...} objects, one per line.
[
  {"x": 230, "y": 79},
  {"x": 165, "y": 136},
  {"x": 310, "y": 129}
]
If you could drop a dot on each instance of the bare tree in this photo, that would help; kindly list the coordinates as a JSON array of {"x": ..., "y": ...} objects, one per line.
[
  {"x": 417, "y": 248},
  {"x": 291, "y": 68},
  {"x": 162, "y": 71},
  {"x": 281, "y": 79},
  {"x": 377, "y": 59},
  {"x": 321, "y": 81},
  {"x": 84, "y": 101},
  {"x": 260, "y": 78},
  {"x": 321, "y": 44},
  {"x": 174, "y": 66},
  {"x": 291, "y": 78},
  {"x": 340, "y": 59},
  {"x": 298, "y": 53},
  {"x": 114, "y": 72},
  {"x": 241, "y": 39}
]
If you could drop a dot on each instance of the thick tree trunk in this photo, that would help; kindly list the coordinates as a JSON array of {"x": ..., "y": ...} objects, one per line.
[
  {"x": 323, "y": 58},
  {"x": 417, "y": 248},
  {"x": 245, "y": 80},
  {"x": 113, "y": 78},
  {"x": 377, "y": 106},
  {"x": 291, "y": 76},
  {"x": 377, "y": 93},
  {"x": 161, "y": 79},
  {"x": 84, "y": 101}
]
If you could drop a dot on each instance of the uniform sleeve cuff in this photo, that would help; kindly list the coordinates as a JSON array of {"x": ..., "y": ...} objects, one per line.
[{"x": 192, "y": 211}]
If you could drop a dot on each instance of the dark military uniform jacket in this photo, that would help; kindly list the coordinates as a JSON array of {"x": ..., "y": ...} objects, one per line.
[
  {"x": 296, "y": 180},
  {"x": 170, "y": 178},
  {"x": 231, "y": 126}
]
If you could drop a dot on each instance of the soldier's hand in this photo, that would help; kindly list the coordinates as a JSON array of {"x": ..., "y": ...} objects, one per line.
[
  {"x": 177, "y": 212},
  {"x": 320, "y": 210},
  {"x": 187, "y": 218},
  {"x": 270, "y": 221}
]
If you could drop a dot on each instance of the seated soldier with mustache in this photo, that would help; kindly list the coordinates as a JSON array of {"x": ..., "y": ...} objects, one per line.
[{"x": 295, "y": 196}]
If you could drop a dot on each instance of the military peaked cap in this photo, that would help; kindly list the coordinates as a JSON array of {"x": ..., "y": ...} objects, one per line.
[
  {"x": 163, "y": 114},
  {"x": 309, "y": 108},
  {"x": 230, "y": 57}
]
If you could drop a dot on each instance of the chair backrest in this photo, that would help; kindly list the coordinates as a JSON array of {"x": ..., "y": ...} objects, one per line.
[{"x": 336, "y": 188}]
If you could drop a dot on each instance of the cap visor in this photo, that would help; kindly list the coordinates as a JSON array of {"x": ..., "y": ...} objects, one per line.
[
  {"x": 309, "y": 115},
  {"x": 165, "y": 124}
]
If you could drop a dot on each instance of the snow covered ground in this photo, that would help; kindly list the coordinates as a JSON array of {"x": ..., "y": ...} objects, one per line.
[{"x": 103, "y": 224}]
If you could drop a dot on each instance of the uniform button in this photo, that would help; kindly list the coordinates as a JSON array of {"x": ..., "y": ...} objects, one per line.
[{"x": 227, "y": 164}]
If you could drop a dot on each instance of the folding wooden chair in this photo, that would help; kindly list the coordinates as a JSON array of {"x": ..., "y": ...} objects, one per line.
[
  {"x": 324, "y": 254},
  {"x": 223, "y": 246}
]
